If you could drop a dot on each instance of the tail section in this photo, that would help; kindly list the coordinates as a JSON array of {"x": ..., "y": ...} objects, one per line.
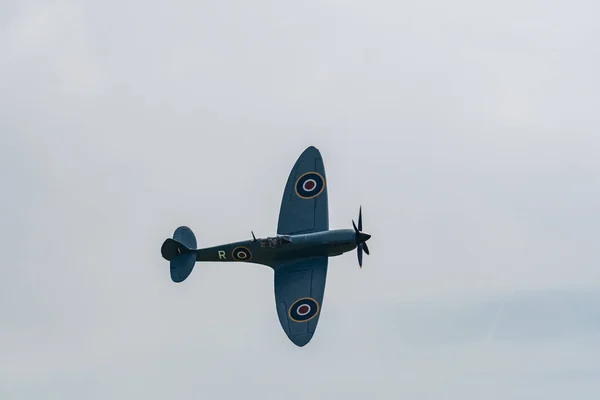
[{"x": 181, "y": 252}]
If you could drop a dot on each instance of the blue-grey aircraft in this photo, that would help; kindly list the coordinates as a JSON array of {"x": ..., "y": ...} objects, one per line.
[{"x": 298, "y": 254}]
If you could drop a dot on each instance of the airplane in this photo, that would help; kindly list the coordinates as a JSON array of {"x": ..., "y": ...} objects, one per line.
[{"x": 298, "y": 254}]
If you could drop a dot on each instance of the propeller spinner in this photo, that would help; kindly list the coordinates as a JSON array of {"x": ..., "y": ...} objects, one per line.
[{"x": 361, "y": 238}]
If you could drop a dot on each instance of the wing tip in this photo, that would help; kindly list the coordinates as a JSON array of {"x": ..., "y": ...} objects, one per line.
[
  {"x": 311, "y": 150},
  {"x": 301, "y": 340}
]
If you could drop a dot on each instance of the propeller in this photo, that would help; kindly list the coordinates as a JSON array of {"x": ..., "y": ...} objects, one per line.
[{"x": 361, "y": 238}]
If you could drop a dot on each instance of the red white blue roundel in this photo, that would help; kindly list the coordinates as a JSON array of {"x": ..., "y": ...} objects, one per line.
[
  {"x": 303, "y": 310},
  {"x": 310, "y": 185},
  {"x": 241, "y": 253}
]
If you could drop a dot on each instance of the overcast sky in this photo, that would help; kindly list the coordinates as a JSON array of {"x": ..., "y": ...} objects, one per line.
[{"x": 469, "y": 133}]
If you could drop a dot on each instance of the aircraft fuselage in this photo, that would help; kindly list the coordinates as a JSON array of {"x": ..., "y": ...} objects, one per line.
[{"x": 270, "y": 251}]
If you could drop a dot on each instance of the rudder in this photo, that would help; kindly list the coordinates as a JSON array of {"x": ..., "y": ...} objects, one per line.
[{"x": 181, "y": 253}]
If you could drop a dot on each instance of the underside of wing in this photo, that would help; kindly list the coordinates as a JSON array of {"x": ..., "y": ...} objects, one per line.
[
  {"x": 299, "y": 289},
  {"x": 304, "y": 207}
]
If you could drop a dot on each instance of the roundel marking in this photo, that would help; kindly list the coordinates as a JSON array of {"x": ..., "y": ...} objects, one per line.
[
  {"x": 241, "y": 253},
  {"x": 303, "y": 309},
  {"x": 309, "y": 185}
]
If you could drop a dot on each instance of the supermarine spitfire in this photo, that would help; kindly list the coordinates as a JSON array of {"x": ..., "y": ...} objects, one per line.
[{"x": 298, "y": 254}]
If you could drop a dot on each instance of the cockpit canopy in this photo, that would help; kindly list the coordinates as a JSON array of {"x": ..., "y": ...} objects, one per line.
[{"x": 277, "y": 241}]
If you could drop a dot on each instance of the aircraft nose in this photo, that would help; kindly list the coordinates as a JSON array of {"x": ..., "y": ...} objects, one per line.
[{"x": 364, "y": 237}]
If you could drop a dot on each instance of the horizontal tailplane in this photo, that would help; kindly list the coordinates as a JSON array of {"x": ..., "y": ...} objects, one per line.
[{"x": 181, "y": 253}]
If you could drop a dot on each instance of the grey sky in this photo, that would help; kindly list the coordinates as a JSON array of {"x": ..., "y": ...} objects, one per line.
[{"x": 467, "y": 131}]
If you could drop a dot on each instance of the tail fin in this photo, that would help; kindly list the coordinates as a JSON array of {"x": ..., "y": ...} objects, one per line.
[{"x": 181, "y": 252}]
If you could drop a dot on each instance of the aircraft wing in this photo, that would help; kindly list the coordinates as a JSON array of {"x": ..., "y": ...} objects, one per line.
[
  {"x": 299, "y": 289},
  {"x": 304, "y": 207}
]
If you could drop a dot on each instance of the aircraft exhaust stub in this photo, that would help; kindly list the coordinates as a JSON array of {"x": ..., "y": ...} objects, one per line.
[
  {"x": 310, "y": 185},
  {"x": 274, "y": 242}
]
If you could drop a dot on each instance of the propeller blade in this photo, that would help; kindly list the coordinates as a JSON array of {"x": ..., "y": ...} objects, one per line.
[
  {"x": 365, "y": 247},
  {"x": 360, "y": 255},
  {"x": 360, "y": 219},
  {"x": 354, "y": 225}
]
